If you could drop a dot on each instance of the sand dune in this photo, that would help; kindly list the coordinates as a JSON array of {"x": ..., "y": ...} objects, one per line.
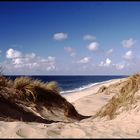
[
  {"x": 95, "y": 102},
  {"x": 31, "y": 101}
]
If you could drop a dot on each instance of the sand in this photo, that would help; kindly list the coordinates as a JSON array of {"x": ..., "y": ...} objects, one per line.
[{"x": 87, "y": 102}]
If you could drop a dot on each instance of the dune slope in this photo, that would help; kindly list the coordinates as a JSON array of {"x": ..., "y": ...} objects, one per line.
[{"x": 29, "y": 101}]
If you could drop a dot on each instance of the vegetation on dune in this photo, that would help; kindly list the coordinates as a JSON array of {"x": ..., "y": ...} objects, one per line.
[
  {"x": 123, "y": 99},
  {"x": 29, "y": 88},
  {"x": 102, "y": 89},
  {"x": 53, "y": 86},
  {"x": 3, "y": 81},
  {"x": 25, "y": 91},
  {"x": 23, "y": 82}
]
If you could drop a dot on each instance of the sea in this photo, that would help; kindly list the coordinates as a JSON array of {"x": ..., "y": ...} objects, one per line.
[{"x": 70, "y": 84}]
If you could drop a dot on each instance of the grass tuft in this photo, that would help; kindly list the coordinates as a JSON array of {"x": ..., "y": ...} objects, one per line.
[
  {"x": 27, "y": 87},
  {"x": 3, "y": 81},
  {"x": 53, "y": 86},
  {"x": 102, "y": 89}
]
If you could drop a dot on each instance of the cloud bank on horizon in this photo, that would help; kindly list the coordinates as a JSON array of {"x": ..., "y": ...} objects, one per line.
[{"x": 88, "y": 39}]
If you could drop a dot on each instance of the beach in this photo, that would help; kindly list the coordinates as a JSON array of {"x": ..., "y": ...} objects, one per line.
[
  {"x": 71, "y": 97},
  {"x": 86, "y": 102}
]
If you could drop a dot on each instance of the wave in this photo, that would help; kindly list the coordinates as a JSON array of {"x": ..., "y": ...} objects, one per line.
[{"x": 84, "y": 87}]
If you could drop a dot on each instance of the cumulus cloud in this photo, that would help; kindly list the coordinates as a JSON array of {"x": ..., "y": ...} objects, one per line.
[
  {"x": 11, "y": 53},
  {"x": 93, "y": 46},
  {"x": 85, "y": 60},
  {"x": 60, "y": 36},
  {"x": 106, "y": 63},
  {"x": 128, "y": 43},
  {"x": 110, "y": 51},
  {"x": 25, "y": 62},
  {"x": 17, "y": 61},
  {"x": 89, "y": 37},
  {"x": 128, "y": 55},
  {"x": 70, "y": 50}
]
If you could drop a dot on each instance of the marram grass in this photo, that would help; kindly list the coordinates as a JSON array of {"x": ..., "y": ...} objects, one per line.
[
  {"x": 123, "y": 99},
  {"x": 27, "y": 86}
]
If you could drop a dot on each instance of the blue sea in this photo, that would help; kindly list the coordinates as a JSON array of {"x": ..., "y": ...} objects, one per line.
[{"x": 73, "y": 83}]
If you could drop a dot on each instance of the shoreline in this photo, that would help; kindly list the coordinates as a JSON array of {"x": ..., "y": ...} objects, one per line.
[
  {"x": 74, "y": 96},
  {"x": 84, "y": 87}
]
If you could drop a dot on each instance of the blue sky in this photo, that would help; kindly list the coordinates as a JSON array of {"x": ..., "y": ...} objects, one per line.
[{"x": 72, "y": 38}]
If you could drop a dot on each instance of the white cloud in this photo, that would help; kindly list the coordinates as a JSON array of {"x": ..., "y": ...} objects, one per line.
[
  {"x": 85, "y": 60},
  {"x": 60, "y": 36},
  {"x": 70, "y": 50},
  {"x": 28, "y": 61},
  {"x": 106, "y": 63},
  {"x": 11, "y": 53},
  {"x": 110, "y": 51},
  {"x": 89, "y": 37},
  {"x": 17, "y": 61},
  {"x": 93, "y": 46},
  {"x": 128, "y": 55},
  {"x": 120, "y": 66},
  {"x": 128, "y": 43}
]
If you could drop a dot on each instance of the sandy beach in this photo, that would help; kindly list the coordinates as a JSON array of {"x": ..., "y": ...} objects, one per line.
[{"x": 87, "y": 102}]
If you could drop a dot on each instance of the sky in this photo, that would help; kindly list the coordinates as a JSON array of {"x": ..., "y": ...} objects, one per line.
[{"x": 70, "y": 38}]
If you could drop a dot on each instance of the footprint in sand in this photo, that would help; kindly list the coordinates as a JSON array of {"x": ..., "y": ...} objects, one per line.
[
  {"x": 26, "y": 132},
  {"x": 53, "y": 133},
  {"x": 75, "y": 132}
]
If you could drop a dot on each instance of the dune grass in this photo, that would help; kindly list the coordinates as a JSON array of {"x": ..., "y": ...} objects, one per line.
[
  {"x": 102, "y": 89},
  {"x": 3, "y": 81},
  {"x": 123, "y": 99},
  {"x": 27, "y": 87},
  {"x": 26, "y": 92},
  {"x": 53, "y": 86}
]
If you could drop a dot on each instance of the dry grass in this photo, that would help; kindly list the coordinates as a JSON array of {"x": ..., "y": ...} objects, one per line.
[
  {"x": 3, "y": 81},
  {"x": 21, "y": 82},
  {"x": 22, "y": 85},
  {"x": 10, "y": 83},
  {"x": 123, "y": 99},
  {"x": 46, "y": 94},
  {"x": 53, "y": 86},
  {"x": 27, "y": 92},
  {"x": 27, "y": 87},
  {"x": 102, "y": 89}
]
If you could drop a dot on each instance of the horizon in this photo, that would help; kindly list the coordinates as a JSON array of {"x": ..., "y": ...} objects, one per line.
[
  {"x": 66, "y": 75},
  {"x": 70, "y": 38}
]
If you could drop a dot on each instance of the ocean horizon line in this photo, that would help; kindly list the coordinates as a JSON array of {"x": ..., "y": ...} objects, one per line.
[{"x": 60, "y": 75}]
